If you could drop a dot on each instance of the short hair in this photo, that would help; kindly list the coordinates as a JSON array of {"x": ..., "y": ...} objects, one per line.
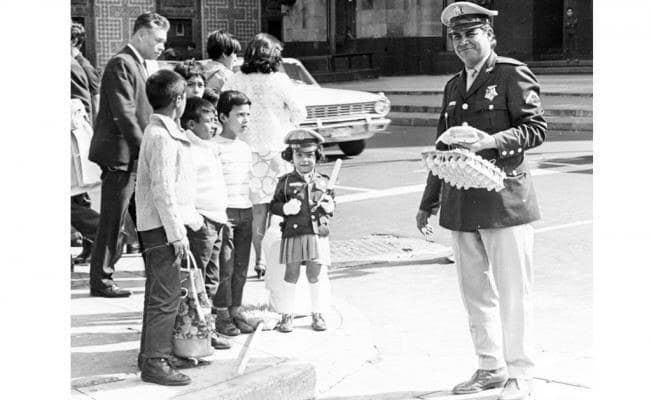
[
  {"x": 211, "y": 95},
  {"x": 189, "y": 69},
  {"x": 163, "y": 87},
  {"x": 77, "y": 34},
  {"x": 262, "y": 54},
  {"x": 288, "y": 154},
  {"x": 221, "y": 42},
  {"x": 150, "y": 20},
  {"x": 194, "y": 107},
  {"x": 229, "y": 99}
]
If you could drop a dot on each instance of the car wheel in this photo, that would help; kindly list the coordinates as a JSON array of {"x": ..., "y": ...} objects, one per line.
[{"x": 353, "y": 148}]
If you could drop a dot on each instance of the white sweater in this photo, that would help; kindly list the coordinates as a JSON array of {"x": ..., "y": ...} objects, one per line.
[
  {"x": 211, "y": 196},
  {"x": 166, "y": 180},
  {"x": 236, "y": 159}
]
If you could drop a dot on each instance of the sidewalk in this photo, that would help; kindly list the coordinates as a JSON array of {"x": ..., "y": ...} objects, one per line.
[
  {"x": 561, "y": 85},
  {"x": 105, "y": 337}
]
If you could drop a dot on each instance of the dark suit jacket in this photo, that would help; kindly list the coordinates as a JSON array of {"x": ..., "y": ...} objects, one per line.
[
  {"x": 504, "y": 102},
  {"x": 124, "y": 112}
]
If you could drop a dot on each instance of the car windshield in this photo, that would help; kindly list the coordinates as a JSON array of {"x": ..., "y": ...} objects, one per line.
[{"x": 297, "y": 73}]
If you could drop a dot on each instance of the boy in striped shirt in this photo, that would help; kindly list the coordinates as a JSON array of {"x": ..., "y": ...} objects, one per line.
[{"x": 233, "y": 110}]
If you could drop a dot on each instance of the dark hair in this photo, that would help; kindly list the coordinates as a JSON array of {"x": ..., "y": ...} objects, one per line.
[
  {"x": 163, "y": 87},
  {"x": 288, "y": 154},
  {"x": 221, "y": 42},
  {"x": 211, "y": 95},
  {"x": 229, "y": 99},
  {"x": 77, "y": 34},
  {"x": 150, "y": 20},
  {"x": 189, "y": 69},
  {"x": 263, "y": 54},
  {"x": 194, "y": 107}
]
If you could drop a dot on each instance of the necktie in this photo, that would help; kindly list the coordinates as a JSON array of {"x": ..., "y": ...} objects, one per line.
[{"x": 472, "y": 74}]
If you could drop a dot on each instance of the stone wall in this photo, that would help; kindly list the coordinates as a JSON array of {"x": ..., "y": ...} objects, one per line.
[
  {"x": 399, "y": 18},
  {"x": 307, "y": 22},
  {"x": 239, "y": 17}
]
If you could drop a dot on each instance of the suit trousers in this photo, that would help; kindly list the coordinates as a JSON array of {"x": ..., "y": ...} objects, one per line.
[
  {"x": 162, "y": 295},
  {"x": 117, "y": 197},
  {"x": 495, "y": 271},
  {"x": 82, "y": 217},
  {"x": 235, "y": 255}
]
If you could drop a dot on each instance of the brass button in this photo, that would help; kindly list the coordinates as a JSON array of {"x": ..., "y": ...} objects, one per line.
[
  {"x": 519, "y": 149},
  {"x": 294, "y": 226},
  {"x": 504, "y": 152},
  {"x": 511, "y": 152},
  {"x": 464, "y": 106},
  {"x": 490, "y": 107}
]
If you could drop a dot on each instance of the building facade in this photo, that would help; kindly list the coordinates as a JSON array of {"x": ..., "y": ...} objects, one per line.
[
  {"x": 109, "y": 22},
  {"x": 404, "y": 36}
]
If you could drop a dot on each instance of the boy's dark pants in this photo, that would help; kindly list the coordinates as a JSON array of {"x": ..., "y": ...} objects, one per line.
[
  {"x": 235, "y": 254},
  {"x": 162, "y": 295},
  {"x": 206, "y": 244}
]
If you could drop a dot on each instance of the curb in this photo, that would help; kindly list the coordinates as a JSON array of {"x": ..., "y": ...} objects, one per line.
[{"x": 273, "y": 381}]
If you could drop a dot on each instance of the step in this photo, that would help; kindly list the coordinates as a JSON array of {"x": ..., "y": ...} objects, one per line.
[
  {"x": 554, "y": 105},
  {"x": 567, "y": 69},
  {"x": 348, "y": 75},
  {"x": 554, "y": 123}
]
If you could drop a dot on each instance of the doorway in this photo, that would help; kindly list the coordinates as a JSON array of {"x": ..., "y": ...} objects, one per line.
[
  {"x": 548, "y": 29},
  {"x": 345, "y": 25}
]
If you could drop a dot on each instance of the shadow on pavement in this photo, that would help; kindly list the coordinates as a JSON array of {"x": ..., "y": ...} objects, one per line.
[
  {"x": 355, "y": 270},
  {"x": 103, "y": 363}
]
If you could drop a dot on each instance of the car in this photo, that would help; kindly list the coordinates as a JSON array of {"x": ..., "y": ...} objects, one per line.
[{"x": 346, "y": 118}]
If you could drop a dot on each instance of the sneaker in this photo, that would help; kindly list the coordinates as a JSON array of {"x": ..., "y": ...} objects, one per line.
[
  {"x": 286, "y": 323},
  {"x": 226, "y": 327},
  {"x": 242, "y": 324},
  {"x": 318, "y": 323},
  {"x": 219, "y": 342}
]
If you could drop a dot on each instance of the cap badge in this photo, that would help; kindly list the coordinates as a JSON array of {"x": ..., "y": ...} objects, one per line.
[
  {"x": 491, "y": 92},
  {"x": 458, "y": 11}
]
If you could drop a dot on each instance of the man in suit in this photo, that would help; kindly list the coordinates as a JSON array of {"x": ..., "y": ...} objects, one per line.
[
  {"x": 124, "y": 112},
  {"x": 497, "y": 100}
]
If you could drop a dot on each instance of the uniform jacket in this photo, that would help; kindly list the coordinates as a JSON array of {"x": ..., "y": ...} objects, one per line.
[
  {"x": 504, "y": 101},
  {"x": 311, "y": 219},
  {"x": 123, "y": 114}
]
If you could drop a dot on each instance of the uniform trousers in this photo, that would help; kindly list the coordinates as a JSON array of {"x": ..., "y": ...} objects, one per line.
[{"x": 495, "y": 271}]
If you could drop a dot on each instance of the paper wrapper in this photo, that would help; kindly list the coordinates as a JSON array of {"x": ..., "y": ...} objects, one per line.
[{"x": 464, "y": 169}]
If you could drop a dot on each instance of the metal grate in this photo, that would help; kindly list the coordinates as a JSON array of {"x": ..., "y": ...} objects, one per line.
[{"x": 339, "y": 110}]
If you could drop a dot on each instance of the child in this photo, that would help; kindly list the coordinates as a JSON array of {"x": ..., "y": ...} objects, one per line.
[
  {"x": 165, "y": 191},
  {"x": 222, "y": 49},
  {"x": 206, "y": 243},
  {"x": 306, "y": 204},
  {"x": 233, "y": 110},
  {"x": 193, "y": 73}
]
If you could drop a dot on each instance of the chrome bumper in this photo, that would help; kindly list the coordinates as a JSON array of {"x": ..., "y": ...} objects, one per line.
[{"x": 346, "y": 131}]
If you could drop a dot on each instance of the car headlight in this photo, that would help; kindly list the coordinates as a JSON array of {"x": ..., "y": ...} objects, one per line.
[{"x": 382, "y": 106}]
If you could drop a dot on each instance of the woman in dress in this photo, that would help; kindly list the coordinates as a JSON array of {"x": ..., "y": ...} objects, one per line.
[{"x": 275, "y": 110}]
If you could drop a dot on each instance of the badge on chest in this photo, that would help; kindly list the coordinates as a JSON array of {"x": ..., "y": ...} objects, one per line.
[{"x": 491, "y": 92}]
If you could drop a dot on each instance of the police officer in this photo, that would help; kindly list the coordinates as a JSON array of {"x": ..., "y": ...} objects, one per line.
[{"x": 497, "y": 99}]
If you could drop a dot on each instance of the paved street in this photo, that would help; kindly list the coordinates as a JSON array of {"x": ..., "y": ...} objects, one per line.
[{"x": 414, "y": 306}]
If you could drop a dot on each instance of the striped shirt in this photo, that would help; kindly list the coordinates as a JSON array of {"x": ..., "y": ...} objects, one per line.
[{"x": 235, "y": 156}]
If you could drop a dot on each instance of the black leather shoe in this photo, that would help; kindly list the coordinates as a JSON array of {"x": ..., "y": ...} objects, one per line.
[
  {"x": 159, "y": 371},
  {"x": 111, "y": 291},
  {"x": 482, "y": 379},
  {"x": 185, "y": 363}
]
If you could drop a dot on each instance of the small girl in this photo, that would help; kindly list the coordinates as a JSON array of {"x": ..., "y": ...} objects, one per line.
[{"x": 306, "y": 204}]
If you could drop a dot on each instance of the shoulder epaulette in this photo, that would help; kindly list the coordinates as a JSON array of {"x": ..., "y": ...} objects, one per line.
[{"x": 507, "y": 60}]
